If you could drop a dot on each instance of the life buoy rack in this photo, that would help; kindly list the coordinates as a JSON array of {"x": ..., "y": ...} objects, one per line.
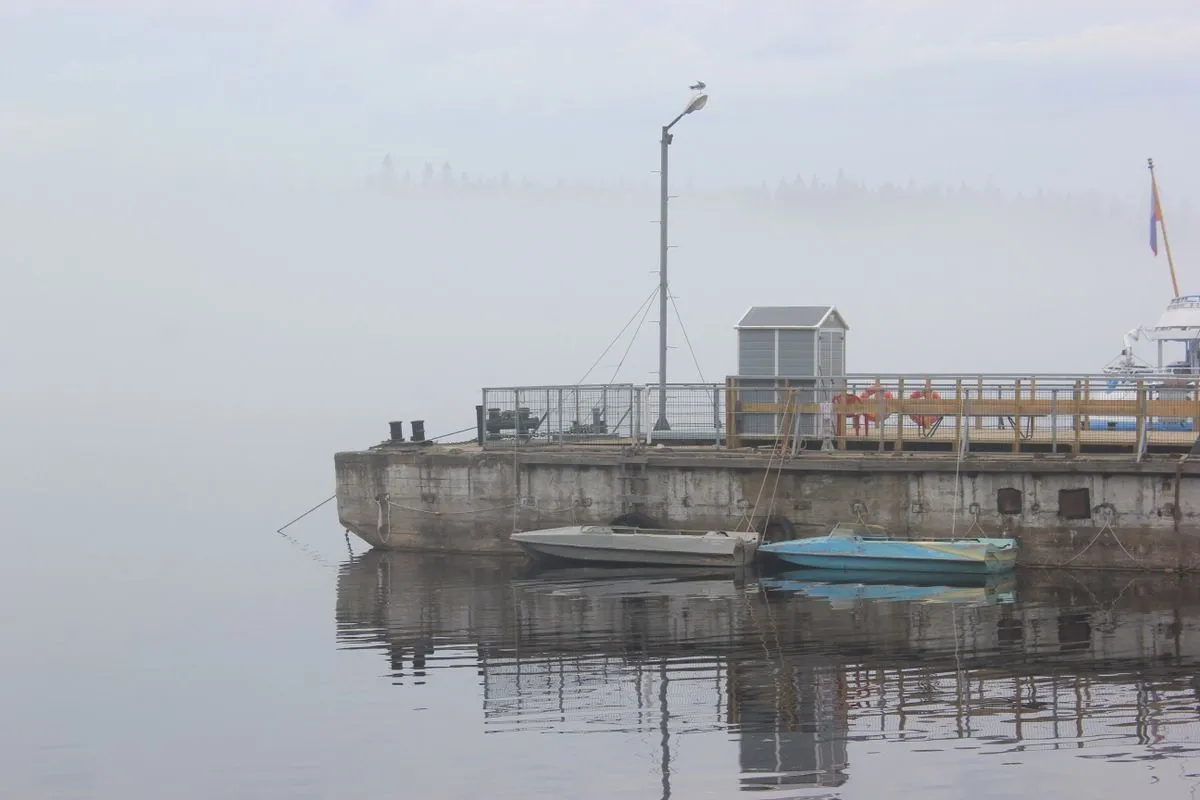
[
  {"x": 925, "y": 421},
  {"x": 848, "y": 399},
  {"x": 867, "y": 395},
  {"x": 862, "y": 419}
]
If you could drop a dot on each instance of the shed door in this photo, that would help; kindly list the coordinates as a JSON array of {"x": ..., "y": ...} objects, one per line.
[
  {"x": 826, "y": 350},
  {"x": 833, "y": 353}
]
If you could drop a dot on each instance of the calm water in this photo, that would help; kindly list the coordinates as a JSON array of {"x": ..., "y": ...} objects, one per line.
[{"x": 200, "y": 659}]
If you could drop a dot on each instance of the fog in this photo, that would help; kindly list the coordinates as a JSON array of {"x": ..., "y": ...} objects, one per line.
[
  {"x": 201, "y": 308},
  {"x": 208, "y": 271},
  {"x": 210, "y": 283},
  {"x": 198, "y": 235}
]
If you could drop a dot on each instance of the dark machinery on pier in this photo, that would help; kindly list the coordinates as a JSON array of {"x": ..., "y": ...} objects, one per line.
[{"x": 520, "y": 423}]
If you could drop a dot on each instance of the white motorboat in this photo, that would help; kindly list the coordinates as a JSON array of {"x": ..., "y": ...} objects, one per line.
[{"x": 607, "y": 544}]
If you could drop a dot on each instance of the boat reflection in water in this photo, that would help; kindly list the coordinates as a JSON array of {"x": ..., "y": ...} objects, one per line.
[
  {"x": 796, "y": 667},
  {"x": 846, "y": 587}
]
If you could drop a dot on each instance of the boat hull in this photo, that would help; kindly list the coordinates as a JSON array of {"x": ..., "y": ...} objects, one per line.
[
  {"x": 848, "y": 549},
  {"x": 612, "y": 546},
  {"x": 984, "y": 566}
]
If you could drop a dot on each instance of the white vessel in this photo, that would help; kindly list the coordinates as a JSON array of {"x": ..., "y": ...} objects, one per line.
[
  {"x": 607, "y": 544},
  {"x": 1167, "y": 379},
  {"x": 1176, "y": 379}
]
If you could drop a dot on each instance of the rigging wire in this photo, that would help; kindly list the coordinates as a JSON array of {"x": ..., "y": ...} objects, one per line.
[
  {"x": 683, "y": 328},
  {"x": 645, "y": 304},
  {"x": 649, "y": 304}
]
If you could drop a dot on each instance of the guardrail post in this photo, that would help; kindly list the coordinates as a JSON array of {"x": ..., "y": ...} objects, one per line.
[
  {"x": 517, "y": 418},
  {"x": 1196, "y": 406},
  {"x": 561, "y": 437},
  {"x": 966, "y": 428},
  {"x": 1054, "y": 421},
  {"x": 731, "y": 403},
  {"x": 716, "y": 401},
  {"x": 483, "y": 432},
  {"x": 1141, "y": 420},
  {"x": 1077, "y": 420},
  {"x": 639, "y": 399},
  {"x": 881, "y": 417},
  {"x": 603, "y": 409},
  {"x": 959, "y": 422},
  {"x": 979, "y": 394},
  {"x": 1016, "y": 445},
  {"x": 1087, "y": 400}
]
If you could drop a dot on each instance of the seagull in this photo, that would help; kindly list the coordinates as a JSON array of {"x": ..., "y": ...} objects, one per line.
[{"x": 698, "y": 86}]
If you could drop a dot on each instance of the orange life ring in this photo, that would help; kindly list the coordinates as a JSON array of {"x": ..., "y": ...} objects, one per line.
[
  {"x": 849, "y": 399},
  {"x": 869, "y": 393},
  {"x": 924, "y": 421}
]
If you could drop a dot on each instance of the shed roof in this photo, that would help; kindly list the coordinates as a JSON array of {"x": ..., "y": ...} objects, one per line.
[{"x": 771, "y": 317}]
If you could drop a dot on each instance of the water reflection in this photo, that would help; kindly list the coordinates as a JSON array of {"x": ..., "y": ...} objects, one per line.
[{"x": 796, "y": 667}]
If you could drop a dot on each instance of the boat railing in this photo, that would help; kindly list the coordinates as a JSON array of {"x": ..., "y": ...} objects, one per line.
[{"x": 665, "y": 531}]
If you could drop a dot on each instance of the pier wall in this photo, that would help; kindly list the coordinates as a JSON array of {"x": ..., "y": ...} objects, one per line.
[{"x": 1085, "y": 512}]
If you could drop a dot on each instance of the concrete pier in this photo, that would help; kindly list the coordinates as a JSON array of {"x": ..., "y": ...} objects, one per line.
[{"x": 1082, "y": 511}]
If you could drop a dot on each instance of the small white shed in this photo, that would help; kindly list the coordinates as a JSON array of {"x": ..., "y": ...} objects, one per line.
[{"x": 801, "y": 348}]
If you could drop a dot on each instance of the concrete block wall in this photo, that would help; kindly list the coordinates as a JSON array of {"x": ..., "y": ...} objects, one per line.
[{"x": 1135, "y": 515}]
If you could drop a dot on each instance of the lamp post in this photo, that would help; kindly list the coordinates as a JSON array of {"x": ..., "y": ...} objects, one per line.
[{"x": 698, "y": 102}]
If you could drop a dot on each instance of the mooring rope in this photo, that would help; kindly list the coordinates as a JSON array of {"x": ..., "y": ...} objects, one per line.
[
  {"x": 962, "y": 407},
  {"x": 305, "y": 514},
  {"x": 308, "y": 551},
  {"x": 1105, "y": 527},
  {"x": 777, "y": 446}
]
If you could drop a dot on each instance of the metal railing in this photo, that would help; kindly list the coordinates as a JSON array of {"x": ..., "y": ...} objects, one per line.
[
  {"x": 1061, "y": 414},
  {"x": 559, "y": 415}
]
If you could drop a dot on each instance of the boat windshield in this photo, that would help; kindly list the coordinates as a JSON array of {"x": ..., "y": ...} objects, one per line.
[{"x": 861, "y": 530}]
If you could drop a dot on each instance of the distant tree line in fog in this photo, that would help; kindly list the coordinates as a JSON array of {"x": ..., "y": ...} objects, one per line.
[{"x": 810, "y": 194}]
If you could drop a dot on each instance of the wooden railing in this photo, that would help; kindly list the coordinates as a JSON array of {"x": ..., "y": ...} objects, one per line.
[{"x": 1038, "y": 413}]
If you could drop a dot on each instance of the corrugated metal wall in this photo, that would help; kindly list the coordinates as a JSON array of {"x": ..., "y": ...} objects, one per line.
[
  {"x": 796, "y": 354},
  {"x": 756, "y": 353}
]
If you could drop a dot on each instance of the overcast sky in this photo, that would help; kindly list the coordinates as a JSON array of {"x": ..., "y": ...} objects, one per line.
[
  {"x": 187, "y": 225},
  {"x": 1070, "y": 93}
]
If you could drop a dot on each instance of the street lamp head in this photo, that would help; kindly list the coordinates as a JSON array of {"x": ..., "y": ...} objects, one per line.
[{"x": 698, "y": 102}]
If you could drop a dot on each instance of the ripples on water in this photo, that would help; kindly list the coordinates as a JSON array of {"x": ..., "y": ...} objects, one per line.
[{"x": 800, "y": 686}]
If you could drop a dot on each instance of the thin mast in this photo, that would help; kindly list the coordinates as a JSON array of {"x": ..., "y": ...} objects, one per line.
[{"x": 1161, "y": 220}]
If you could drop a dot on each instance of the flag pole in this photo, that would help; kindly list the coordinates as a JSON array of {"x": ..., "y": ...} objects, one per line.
[{"x": 1162, "y": 223}]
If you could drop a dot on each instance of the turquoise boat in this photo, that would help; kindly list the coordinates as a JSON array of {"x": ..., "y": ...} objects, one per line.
[{"x": 857, "y": 546}]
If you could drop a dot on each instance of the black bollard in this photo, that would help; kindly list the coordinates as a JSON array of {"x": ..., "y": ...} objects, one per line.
[
  {"x": 418, "y": 430},
  {"x": 397, "y": 429}
]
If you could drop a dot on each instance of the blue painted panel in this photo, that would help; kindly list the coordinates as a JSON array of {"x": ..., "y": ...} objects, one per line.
[
  {"x": 852, "y": 562},
  {"x": 859, "y": 552}
]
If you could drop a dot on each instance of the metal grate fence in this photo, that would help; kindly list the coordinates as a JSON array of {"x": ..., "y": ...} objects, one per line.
[{"x": 1057, "y": 414}]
